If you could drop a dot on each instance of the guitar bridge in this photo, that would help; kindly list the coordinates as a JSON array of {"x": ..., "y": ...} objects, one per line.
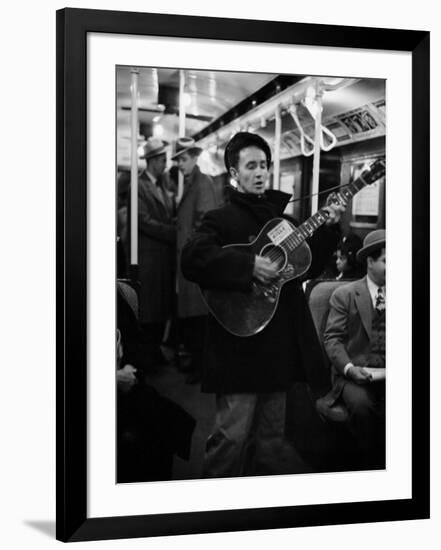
[{"x": 288, "y": 272}]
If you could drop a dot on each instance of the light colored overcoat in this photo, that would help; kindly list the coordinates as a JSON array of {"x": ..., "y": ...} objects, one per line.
[{"x": 198, "y": 198}]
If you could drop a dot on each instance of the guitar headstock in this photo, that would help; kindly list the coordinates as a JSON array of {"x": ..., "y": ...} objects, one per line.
[{"x": 374, "y": 172}]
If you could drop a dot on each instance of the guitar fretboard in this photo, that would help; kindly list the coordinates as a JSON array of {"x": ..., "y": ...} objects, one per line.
[{"x": 308, "y": 228}]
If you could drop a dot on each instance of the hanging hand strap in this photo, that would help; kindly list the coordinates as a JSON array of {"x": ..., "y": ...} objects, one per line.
[
  {"x": 303, "y": 136},
  {"x": 331, "y": 136}
]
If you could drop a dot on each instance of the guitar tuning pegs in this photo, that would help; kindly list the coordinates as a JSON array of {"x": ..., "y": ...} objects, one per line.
[{"x": 375, "y": 171}]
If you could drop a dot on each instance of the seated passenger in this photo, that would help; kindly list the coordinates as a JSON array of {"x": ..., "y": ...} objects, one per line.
[
  {"x": 355, "y": 343},
  {"x": 344, "y": 265},
  {"x": 151, "y": 429},
  {"x": 346, "y": 258}
]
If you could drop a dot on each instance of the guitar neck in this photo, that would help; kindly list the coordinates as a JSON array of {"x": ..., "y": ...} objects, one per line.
[{"x": 310, "y": 226}]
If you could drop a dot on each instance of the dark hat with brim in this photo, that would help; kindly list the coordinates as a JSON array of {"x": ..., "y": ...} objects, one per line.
[
  {"x": 373, "y": 241},
  {"x": 186, "y": 145}
]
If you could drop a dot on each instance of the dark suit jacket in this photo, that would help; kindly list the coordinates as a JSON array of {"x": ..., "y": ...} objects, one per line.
[{"x": 347, "y": 336}]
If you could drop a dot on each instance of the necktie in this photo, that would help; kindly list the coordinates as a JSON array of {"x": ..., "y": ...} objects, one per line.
[{"x": 380, "y": 303}]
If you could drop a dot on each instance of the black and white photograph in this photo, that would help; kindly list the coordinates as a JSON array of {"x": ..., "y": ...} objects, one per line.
[
  {"x": 199, "y": 347},
  {"x": 251, "y": 274},
  {"x": 225, "y": 190}
]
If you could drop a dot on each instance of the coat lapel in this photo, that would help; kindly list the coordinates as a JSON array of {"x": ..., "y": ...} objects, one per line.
[
  {"x": 189, "y": 184},
  {"x": 154, "y": 190},
  {"x": 364, "y": 305}
]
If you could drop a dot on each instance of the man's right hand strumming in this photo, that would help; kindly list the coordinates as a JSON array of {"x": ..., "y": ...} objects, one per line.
[{"x": 265, "y": 270}]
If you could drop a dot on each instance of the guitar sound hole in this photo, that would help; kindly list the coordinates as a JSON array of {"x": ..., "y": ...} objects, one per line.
[{"x": 275, "y": 254}]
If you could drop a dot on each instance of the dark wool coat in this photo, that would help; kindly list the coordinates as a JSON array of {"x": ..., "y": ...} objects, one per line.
[
  {"x": 287, "y": 349},
  {"x": 156, "y": 252},
  {"x": 198, "y": 198}
]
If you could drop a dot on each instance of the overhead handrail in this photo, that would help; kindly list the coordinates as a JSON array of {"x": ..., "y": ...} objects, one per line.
[
  {"x": 313, "y": 103},
  {"x": 257, "y": 116},
  {"x": 304, "y": 138},
  {"x": 260, "y": 114},
  {"x": 333, "y": 139},
  {"x": 292, "y": 109}
]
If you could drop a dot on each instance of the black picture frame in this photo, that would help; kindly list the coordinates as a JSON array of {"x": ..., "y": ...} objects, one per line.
[{"x": 73, "y": 25}]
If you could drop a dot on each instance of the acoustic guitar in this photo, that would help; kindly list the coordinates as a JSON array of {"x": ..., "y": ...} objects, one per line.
[{"x": 245, "y": 313}]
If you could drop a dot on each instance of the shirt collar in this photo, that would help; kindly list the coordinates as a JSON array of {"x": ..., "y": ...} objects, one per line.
[{"x": 373, "y": 289}]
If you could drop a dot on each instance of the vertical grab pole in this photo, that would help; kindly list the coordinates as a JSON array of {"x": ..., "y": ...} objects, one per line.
[
  {"x": 316, "y": 159},
  {"x": 181, "y": 129},
  {"x": 134, "y": 177},
  {"x": 180, "y": 191},
  {"x": 277, "y": 134}
]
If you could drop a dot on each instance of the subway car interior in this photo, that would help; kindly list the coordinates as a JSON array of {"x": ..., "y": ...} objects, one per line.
[{"x": 324, "y": 132}]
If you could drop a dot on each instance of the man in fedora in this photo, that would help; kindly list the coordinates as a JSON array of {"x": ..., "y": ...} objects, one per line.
[
  {"x": 355, "y": 343},
  {"x": 198, "y": 198},
  {"x": 157, "y": 242}
]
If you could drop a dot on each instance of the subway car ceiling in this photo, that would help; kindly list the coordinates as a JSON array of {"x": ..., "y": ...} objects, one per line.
[{"x": 218, "y": 104}]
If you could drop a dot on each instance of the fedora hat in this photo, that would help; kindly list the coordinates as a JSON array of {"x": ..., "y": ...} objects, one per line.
[
  {"x": 154, "y": 147},
  {"x": 186, "y": 145},
  {"x": 373, "y": 241}
]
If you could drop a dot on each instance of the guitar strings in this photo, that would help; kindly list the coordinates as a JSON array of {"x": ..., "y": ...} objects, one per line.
[
  {"x": 298, "y": 237},
  {"x": 326, "y": 190},
  {"x": 320, "y": 193}
]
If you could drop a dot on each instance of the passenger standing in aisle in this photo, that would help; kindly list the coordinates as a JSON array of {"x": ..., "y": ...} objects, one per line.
[
  {"x": 157, "y": 256},
  {"x": 199, "y": 197}
]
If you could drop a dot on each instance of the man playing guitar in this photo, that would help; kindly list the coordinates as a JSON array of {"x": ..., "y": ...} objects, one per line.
[{"x": 251, "y": 374}]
